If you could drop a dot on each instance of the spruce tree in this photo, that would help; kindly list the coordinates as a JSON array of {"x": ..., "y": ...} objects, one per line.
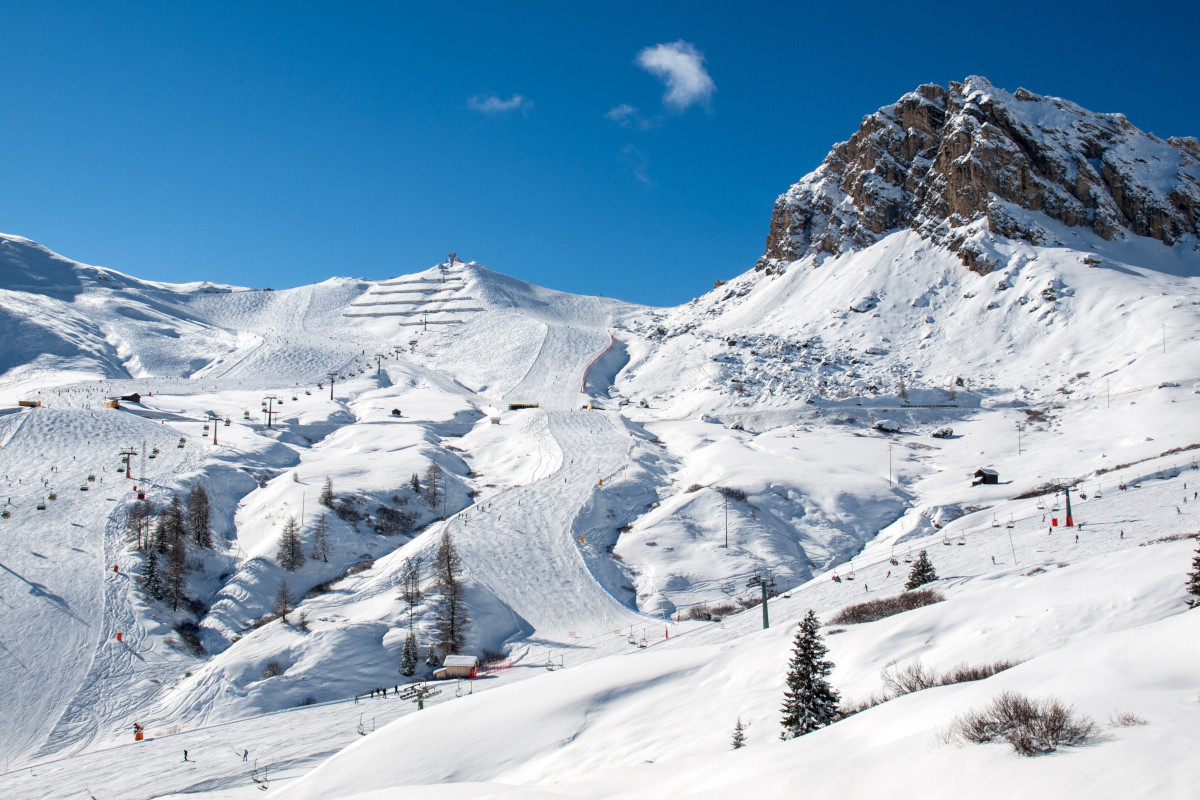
[
  {"x": 321, "y": 547},
  {"x": 411, "y": 592},
  {"x": 739, "y": 735},
  {"x": 922, "y": 572},
  {"x": 283, "y": 600},
  {"x": 452, "y": 620},
  {"x": 431, "y": 656},
  {"x": 414, "y": 483},
  {"x": 151, "y": 580},
  {"x": 326, "y": 497},
  {"x": 290, "y": 554},
  {"x": 175, "y": 579},
  {"x": 809, "y": 702},
  {"x": 409, "y": 656},
  {"x": 199, "y": 516},
  {"x": 1193, "y": 584}
]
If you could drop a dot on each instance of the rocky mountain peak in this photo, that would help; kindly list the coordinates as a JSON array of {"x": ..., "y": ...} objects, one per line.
[{"x": 956, "y": 162}]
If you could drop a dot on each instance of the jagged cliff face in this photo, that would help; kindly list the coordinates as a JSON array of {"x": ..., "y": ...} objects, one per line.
[{"x": 948, "y": 162}]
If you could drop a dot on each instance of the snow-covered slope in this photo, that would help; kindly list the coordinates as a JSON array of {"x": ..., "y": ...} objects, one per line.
[{"x": 612, "y": 475}]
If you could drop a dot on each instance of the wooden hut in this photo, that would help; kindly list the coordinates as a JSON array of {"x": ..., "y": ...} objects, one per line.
[
  {"x": 457, "y": 667},
  {"x": 985, "y": 475}
]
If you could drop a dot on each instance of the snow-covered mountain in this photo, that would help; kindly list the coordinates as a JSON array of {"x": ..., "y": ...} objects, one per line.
[{"x": 975, "y": 279}]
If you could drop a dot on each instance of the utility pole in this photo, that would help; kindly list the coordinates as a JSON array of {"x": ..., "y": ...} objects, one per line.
[
  {"x": 764, "y": 584},
  {"x": 214, "y": 420},
  {"x": 889, "y": 465},
  {"x": 726, "y": 522},
  {"x": 1164, "y": 330},
  {"x": 268, "y": 408},
  {"x": 1019, "y": 429},
  {"x": 332, "y": 375}
]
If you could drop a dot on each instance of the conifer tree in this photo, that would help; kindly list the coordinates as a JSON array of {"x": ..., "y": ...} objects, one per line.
[
  {"x": 431, "y": 656},
  {"x": 321, "y": 547},
  {"x": 1193, "y": 584},
  {"x": 452, "y": 620},
  {"x": 151, "y": 579},
  {"x": 739, "y": 735},
  {"x": 411, "y": 591},
  {"x": 283, "y": 600},
  {"x": 199, "y": 515},
  {"x": 290, "y": 554},
  {"x": 432, "y": 494},
  {"x": 140, "y": 524},
  {"x": 922, "y": 572},
  {"x": 414, "y": 483},
  {"x": 809, "y": 702},
  {"x": 326, "y": 497},
  {"x": 175, "y": 579},
  {"x": 409, "y": 656}
]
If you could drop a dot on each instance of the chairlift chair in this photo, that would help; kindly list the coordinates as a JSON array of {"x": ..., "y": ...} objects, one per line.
[
  {"x": 850, "y": 574},
  {"x": 995, "y": 522},
  {"x": 946, "y": 539},
  {"x": 5, "y": 514},
  {"x": 41, "y": 506},
  {"x": 962, "y": 539},
  {"x": 54, "y": 495},
  {"x": 1010, "y": 523},
  {"x": 1041, "y": 504},
  {"x": 908, "y": 555}
]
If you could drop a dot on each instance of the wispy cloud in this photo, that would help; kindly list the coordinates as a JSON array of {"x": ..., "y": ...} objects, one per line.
[
  {"x": 636, "y": 162},
  {"x": 680, "y": 66},
  {"x": 492, "y": 105},
  {"x": 628, "y": 116}
]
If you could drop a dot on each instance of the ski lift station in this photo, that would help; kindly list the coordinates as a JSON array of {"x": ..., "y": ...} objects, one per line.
[
  {"x": 985, "y": 475},
  {"x": 457, "y": 667}
]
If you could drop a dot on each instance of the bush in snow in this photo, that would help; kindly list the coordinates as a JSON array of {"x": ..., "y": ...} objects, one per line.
[
  {"x": 1032, "y": 727},
  {"x": 872, "y": 610},
  {"x": 390, "y": 521},
  {"x": 809, "y": 702},
  {"x": 1193, "y": 584},
  {"x": 922, "y": 572},
  {"x": 272, "y": 669}
]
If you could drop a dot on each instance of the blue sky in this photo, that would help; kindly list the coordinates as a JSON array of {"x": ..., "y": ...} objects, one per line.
[{"x": 275, "y": 144}]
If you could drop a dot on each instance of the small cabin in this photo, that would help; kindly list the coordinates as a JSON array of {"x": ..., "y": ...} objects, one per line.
[
  {"x": 457, "y": 667},
  {"x": 396, "y": 412},
  {"x": 985, "y": 475},
  {"x": 132, "y": 398}
]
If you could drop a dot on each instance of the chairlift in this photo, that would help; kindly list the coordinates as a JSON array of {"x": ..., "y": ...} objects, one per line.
[
  {"x": 908, "y": 555},
  {"x": 91, "y": 478},
  {"x": 206, "y": 427},
  {"x": 962, "y": 539},
  {"x": 1010, "y": 523},
  {"x": 1041, "y": 504},
  {"x": 53, "y": 495},
  {"x": 41, "y": 506},
  {"x": 995, "y": 522},
  {"x": 1097, "y": 494},
  {"x": 246, "y": 414},
  {"x": 294, "y": 397},
  {"x": 946, "y": 539},
  {"x": 306, "y": 391},
  {"x": 642, "y": 643},
  {"x": 850, "y": 574},
  {"x": 227, "y": 422},
  {"x": 83, "y": 488},
  {"x": 5, "y": 514}
]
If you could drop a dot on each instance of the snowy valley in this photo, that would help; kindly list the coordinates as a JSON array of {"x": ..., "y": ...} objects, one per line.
[{"x": 622, "y": 484}]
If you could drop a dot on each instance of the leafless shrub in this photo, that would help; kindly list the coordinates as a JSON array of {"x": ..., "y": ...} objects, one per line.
[
  {"x": 911, "y": 677},
  {"x": 490, "y": 657},
  {"x": 320, "y": 589},
  {"x": 699, "y": 612},
  {"x": 884, "y": 607},
  {"x": 1032, "y": 727},
  {"x": 849, "y": 709},
  {"x": 1035, "y": 571},
  {"x": 964, "y": 673},
  {"x": 361, "y": 566},
  {"x": 1174, "y": 537},
  {"x": 272, "y": 669},
  {"x": 834, "y": 631},
  {"x": 731, "y": 493},
  {"x": 1125, "y": 719},
  {"x": 695, "y": 487},
  {"x": 308, "y": 701}
]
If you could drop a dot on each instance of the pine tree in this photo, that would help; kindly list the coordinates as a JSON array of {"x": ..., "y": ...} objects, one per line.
[
  {"x": 175, "y": 579},
  {"x": 302, "y": 622},
  {"x": 151, "y": 580},
  {"x": 431, "y": 656},
  {"x": 415, "y": 483},
  {"x": 290, "y": 554},
  {"x": 140, "y": 524},
  {"x": 321, "y": 547},
  {"x": 432, "y": 476},
  {"x": 409, "y": 656},
  {"x": 199, "y": 515},
  {"x": 1193, "y": 584},
  {"x": 452, "y": 620},
  {"x": 809, "y": 702},
  {"x": 283, "y": 600},
  {"x": 901, "y": 389},
  {"x": 326, "y": 498},
  {"x": 170, "y": 526},
  {"x": 922, "y": 572},
  {"x": 739, "y": 735},
  {"x": 411, "y": 592}
]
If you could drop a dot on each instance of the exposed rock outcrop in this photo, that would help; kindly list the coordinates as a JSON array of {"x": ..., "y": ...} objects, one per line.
[{"x": 951, "y": 162}]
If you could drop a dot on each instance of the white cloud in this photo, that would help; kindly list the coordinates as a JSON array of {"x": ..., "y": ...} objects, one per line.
[
  {"x": 622, "y": 113},
  {"x": 491, "y": 104},
  {"x": 680, "y": 66},
  {"x": 636, "y": 162}
]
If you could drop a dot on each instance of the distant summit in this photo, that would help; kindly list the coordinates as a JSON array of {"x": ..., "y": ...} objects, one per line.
[{"x": 960, "y": 164}]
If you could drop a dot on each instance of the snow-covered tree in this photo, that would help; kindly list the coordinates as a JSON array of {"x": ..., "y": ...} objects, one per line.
[
  {"x": 452, "y": 620},
  {"x": 170, "y": 526},
  {"x": 414, "y": 483},
  {"x": 431, "y": 656},
  {"x": 1193, "y": 584},
  {"x": 922, "y": 572},
  {"x": 290, "y": 554},
  {"x": 809, "y": 702},
  {"x": 321, "y": 547},
  {"x": 432, "y": 493},
  {"x": 199, "y": 515},
  {"x": 326, "y": 497},
  {"x": 151, "y": 579},
  {"x": 739, "y": 735},
  {"x": 283, "y": 600},
  {"x": 175, "y": 576},
  {"x": 409, "y": 656}
]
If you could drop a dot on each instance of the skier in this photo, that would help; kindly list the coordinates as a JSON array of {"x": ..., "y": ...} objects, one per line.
[
  {"x": 185, "y": 758},
  {"x": 993, "y": 559},
  {"x": 245, "y": 754}
]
